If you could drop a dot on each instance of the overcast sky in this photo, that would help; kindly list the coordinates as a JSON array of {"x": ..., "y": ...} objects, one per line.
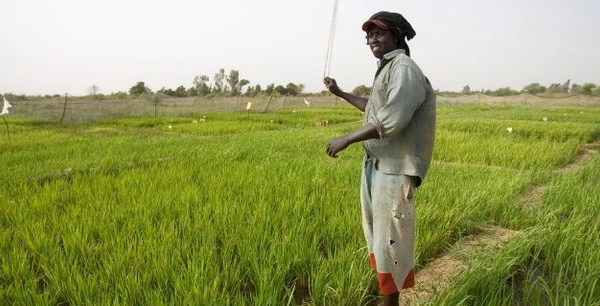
[{"x": 66, "y": 46}]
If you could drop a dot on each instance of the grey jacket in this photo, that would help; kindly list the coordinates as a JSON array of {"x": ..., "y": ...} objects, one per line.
[{"x": 402, "y": 108}]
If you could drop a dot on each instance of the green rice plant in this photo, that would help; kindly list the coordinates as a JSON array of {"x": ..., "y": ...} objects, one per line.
[
  {"x": 247, "y": 209},
  {"x": 457, "y": 200},
  {"x": 551, "y": 263},
  {"x": 503, "y": 151}
]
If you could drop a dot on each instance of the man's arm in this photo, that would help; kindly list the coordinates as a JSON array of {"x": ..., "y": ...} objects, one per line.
[
  {"x": 405, "y": 93},
  {"x": 335, "y": 145}
]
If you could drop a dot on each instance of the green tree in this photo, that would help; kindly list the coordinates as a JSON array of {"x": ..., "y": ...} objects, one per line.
[
  {"x": 575, "y": 88},
  {"x": 181, "y": 91},
  {"x": 253, "y": 91},
  {"x": 235, "y": 84},
  {"x": 554, "y": 88},
  {"x": 192, "y": 92},
  {"x": 292, "y": 89},
  {"x": 118, "y": 95},
  {"x": 587, "y": 88},
  {"x": 93, "y": 90},
  {"x": 466, "y": 90},
  {"x": 201, "y": 85},
  {"x": 233, "y": 79},
  {"x": 219, "y": 81},
  {"x": 361, "y": 90},
  {"x": 282, "y": 91},
  {"x": 250, "y": 92},
  {"x": 565, "y": 86},
  {"x": 167, "y": 91},
  {"x": 270, "y": 89},
  {"x": 241, "y": 84},
  {"x": 504, "y": 91},
  {"x": 534, "y": 88},
  {"x": 138, "y": 89}
]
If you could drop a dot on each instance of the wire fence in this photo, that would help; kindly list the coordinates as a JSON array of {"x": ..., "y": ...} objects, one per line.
[
  {"x": 77, "y": 109},
  {"x": 74, "y": 109},
  {"x": 524, "y": 99}
]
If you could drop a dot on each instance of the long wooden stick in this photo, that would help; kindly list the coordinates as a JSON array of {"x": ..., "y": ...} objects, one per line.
[{"x": 331, "y": 38}]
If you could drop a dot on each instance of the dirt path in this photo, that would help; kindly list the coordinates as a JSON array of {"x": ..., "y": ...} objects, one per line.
[
  {"x": 437, "y": 275},
  {"x": 586, "y": 154}
]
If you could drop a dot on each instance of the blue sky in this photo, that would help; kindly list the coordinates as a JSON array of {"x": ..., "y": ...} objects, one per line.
[{"x": 66, "y": 46}]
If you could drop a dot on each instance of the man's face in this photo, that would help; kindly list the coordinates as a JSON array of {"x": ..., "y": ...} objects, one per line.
[{"x": 381, "y": 41}]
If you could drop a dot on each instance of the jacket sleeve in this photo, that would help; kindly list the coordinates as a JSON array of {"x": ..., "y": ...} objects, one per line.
[{"x": 404, "y": 95}]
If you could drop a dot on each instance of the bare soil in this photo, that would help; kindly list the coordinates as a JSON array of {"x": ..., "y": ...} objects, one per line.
[{"x": 586, "y": 154}]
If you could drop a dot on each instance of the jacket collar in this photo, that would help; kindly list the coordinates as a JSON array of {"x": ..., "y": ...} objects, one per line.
[{"x": 387, "y": 58}]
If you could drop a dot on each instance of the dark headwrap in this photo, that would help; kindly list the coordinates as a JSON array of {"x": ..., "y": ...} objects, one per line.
[{"x": 394, "y": 22}]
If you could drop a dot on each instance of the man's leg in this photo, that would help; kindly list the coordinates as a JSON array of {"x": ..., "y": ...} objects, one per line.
[
  {"x": 401, "y": 234},
  {"x": 374, "y": 230},
  {"x": 391, "y": 299},
  {"x": 393, "y": 233},
  {"x": 366, "y": 207}
]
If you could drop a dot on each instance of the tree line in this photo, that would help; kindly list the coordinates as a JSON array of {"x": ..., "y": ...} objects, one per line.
[
  {"x": 231, "y": 84},
  {"x": 222, "y": 84},
  {"x": 588, "y": 89}
]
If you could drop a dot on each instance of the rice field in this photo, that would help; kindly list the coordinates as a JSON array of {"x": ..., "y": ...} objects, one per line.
[{"x": 214, "y": 208}]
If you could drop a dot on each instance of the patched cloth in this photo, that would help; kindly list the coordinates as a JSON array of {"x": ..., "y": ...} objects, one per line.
[{"x": 394, "y": 22}]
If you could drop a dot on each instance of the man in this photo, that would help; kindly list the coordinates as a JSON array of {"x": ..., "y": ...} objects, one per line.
[{"x": 398, "y": 135}]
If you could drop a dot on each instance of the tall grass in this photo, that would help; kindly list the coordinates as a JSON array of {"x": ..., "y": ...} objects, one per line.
[
  {"x": 246, "y": 209},
  {"x": 554, "y": 262}
]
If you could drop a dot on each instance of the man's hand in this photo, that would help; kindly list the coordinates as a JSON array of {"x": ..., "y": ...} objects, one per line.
[
  {"x": 357, "y": 101},
  {"x": 335, "y": 145},
  {"x": 332, "y": 86}
]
